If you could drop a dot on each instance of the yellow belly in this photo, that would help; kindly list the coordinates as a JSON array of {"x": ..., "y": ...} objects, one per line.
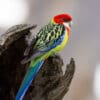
[{"x": 62, "y": 45}]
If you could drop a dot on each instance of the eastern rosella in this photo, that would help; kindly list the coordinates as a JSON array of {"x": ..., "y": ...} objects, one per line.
[{"x": 50, "y": 39}]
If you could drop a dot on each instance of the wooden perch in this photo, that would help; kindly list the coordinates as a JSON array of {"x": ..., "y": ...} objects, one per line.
[{"x": 49, "y": 84}]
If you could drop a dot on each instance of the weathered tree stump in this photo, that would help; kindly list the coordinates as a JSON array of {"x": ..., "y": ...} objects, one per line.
[{"x": 49, "y": 84}]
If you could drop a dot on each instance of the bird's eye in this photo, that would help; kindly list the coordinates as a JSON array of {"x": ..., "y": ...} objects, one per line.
[{"x": 65, "y": 20}]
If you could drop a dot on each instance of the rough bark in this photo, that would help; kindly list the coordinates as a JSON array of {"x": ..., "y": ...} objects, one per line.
[{"x": 49, "y": 84}]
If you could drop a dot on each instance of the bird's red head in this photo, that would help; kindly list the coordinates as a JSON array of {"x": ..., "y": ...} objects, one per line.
[
  {"x": 63, "y": 19},
  {"x": 60, "y": 19}
]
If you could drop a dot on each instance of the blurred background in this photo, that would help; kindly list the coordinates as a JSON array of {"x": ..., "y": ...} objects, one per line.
[{"x": 83, "y": 44}]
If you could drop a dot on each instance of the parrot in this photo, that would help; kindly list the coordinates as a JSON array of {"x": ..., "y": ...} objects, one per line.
[{"x": 50, "y": 39}]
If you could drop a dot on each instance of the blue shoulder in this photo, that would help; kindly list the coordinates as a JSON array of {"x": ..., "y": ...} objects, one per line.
[{"x": 54, "y": 44}]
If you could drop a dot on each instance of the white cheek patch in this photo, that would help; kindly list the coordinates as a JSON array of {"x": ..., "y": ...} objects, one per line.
[{"x": 66, "y": 25}]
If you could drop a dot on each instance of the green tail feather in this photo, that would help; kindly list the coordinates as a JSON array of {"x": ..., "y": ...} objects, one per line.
[{"x": 30, "y": 75}]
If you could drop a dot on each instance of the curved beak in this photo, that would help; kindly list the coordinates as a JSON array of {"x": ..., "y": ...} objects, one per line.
[{"x": 70, "y": 23}]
